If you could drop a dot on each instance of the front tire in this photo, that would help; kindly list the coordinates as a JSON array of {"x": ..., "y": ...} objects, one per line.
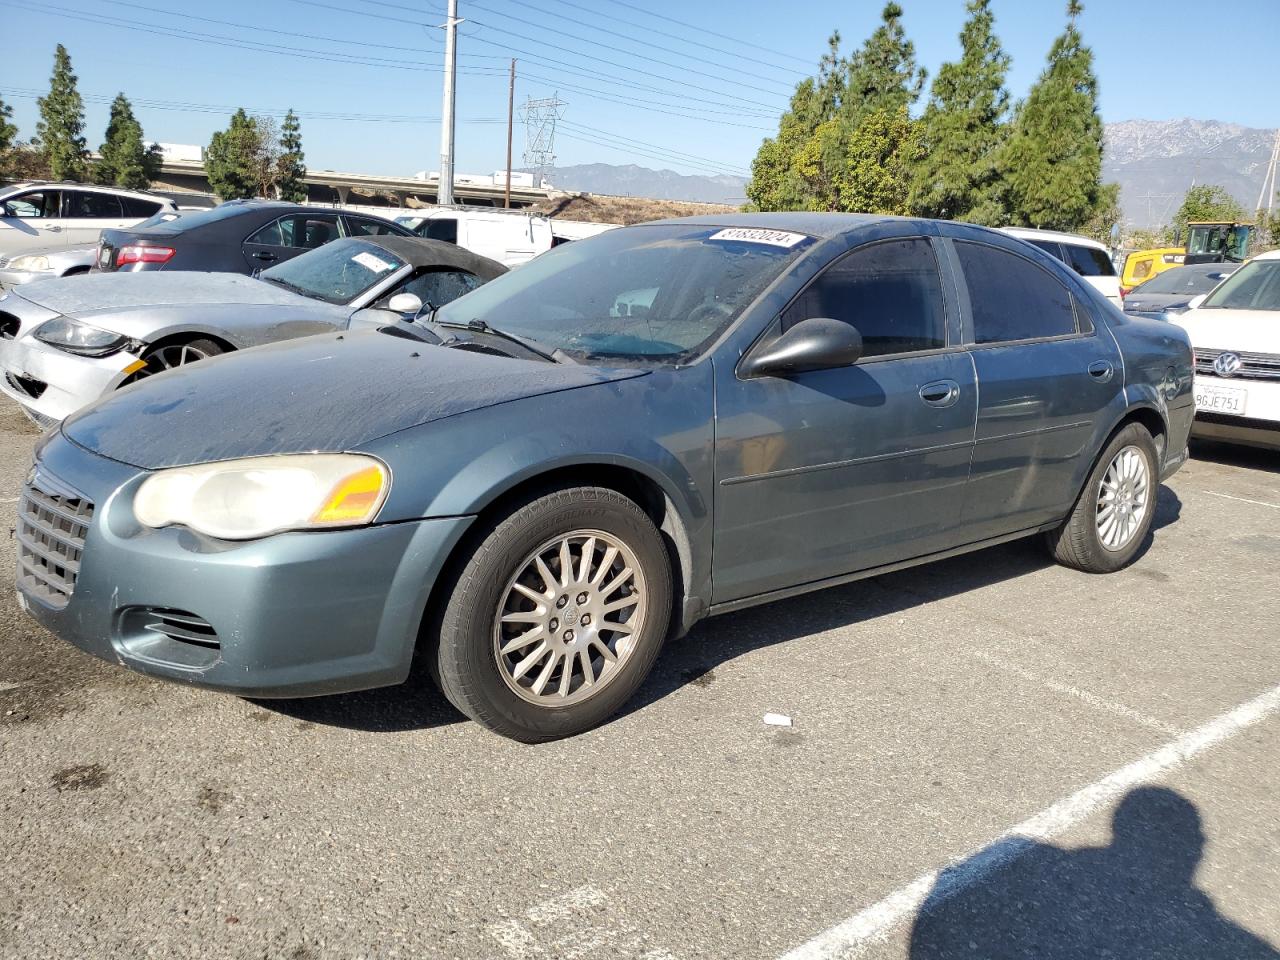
[
  {"x": 557, "y": 616},
  {"x": 170, "y": 356},
  {"x": 1114, "y": 513}
]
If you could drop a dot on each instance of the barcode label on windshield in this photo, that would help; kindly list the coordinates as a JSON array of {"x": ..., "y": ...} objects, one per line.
[
  {"x": 371, "y": 262},
  {"x": 774, "y": 238}
]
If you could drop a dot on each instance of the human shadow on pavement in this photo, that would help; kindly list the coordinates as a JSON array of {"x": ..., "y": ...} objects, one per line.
[{"x": 1134, "y": 899}]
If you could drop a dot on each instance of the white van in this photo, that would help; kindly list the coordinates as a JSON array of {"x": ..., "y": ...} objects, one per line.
[
  {"x": 511, "y": 238},
  {"x": 1087, "y": 257}
]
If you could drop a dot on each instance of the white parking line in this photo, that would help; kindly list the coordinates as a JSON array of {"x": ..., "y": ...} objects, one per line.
[
  {"x": 8, "y": 686},
  {"x": 1092, "y": 699},
  {"x": 9, "y": 499},
  {"x": 874, "y": 923},
  {"x": 1256, "y": 503},
  {"x": 576, "y": 925}
]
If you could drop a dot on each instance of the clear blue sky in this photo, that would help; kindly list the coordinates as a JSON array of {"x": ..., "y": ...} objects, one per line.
[{"x": 704, "y": 109}]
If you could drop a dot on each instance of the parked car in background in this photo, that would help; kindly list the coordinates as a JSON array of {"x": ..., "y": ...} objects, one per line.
[
  {"x": 36, "y": 215},
  {"x": 1172, "y": 291},
  {"x": 1235, "y": 331},
  {"x": 537, "y": 501},
  {"x": 1089, "y": 258},
  {"x": 46, "y": 262},
  {"x": 509, "y": 237},
  {"x": 239, "y": 236},
  {"x": 65, "y": 343}
]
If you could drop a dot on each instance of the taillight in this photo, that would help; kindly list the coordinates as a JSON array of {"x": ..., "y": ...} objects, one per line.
[{"x": 139, "y": 253}]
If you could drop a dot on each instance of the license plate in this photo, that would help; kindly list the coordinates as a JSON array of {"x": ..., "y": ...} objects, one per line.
[{"x": 1215, "y": 399}]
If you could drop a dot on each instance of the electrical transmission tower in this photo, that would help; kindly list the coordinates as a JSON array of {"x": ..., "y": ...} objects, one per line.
[{"x": 540, "y": 118}]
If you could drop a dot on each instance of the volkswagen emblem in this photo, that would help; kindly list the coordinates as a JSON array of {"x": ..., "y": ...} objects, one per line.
[{"x": 1227, "y": 364}]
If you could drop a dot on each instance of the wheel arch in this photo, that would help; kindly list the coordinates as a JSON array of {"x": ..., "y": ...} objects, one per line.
[{"x": 173, "y": 337}]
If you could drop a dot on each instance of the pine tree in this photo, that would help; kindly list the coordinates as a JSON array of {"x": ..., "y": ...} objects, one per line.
[
  {"x": 126, "y": 161},
  {"x": 963, "y": 128},
  {"x": 230, "y": 162},
  {"x": 1052, "y": 162},
  {"x": 290, "y": 168},
  {"x": 60, "y": 131},
  {"x": 882, "y": 76},
  {"x": 8, "y": 130}
]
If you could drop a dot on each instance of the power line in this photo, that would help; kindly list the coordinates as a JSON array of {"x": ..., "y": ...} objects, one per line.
[
  {"x": 712, "y": 33},
  {"x": 662, "y": 33},
  {"x": 564, "y": 33}
]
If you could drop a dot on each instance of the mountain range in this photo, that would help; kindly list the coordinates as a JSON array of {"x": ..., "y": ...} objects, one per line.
[{"x": 1154, "y": 161}]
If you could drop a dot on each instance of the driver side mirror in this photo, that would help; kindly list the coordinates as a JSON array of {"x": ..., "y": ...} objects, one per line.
[
  {"x": 818, "y": 343},
  {"x": 408, "y": 305}
]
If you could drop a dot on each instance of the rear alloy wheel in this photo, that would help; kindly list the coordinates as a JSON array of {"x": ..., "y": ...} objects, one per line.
[
  {"x": 170, "y": 356},
  {"x": 557, "y": 616},
  {"x": 1115, "y": 510}
]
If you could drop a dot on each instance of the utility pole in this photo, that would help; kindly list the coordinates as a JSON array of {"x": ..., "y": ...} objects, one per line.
[
  {"x": 511, "y": 116},
  {"x": 444, "y": 193}
]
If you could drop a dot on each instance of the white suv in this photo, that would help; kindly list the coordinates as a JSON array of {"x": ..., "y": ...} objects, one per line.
[
  {"x": 1235, "y": 332},
  {"x": 38, "y": 215},
  {"x": 1086, "y": 257}
]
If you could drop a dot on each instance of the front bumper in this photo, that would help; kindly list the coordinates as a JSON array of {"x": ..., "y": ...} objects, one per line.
[
  {"x": 297, "y": 614},
  {"x": 54, "y": 383},
  {"x": 1259, "y": 423}
]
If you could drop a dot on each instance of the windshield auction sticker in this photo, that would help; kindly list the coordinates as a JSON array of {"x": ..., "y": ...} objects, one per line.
[
  {"x": 774, "y": 238},
  {"x": 370, "y": 262}
]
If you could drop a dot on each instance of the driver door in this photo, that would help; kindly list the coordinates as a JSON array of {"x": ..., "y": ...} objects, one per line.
[
  {"x": 831, "y": 471},
  {"x": 32, "y": 220},
  {"x": 287, "y": 237}
]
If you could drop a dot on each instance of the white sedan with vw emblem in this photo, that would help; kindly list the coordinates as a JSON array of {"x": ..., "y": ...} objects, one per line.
[{"x": 1235, "y": 331}]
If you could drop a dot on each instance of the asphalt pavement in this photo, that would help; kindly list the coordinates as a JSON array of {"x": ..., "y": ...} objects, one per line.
[{"x": 989, "y": 757}]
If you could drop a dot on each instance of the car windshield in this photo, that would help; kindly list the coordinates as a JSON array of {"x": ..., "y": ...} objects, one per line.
[
  {"x": 1186, "y": 280},
  {"x": 338, "y": 272},
  {"x": 1255, "y": 286},
  {"x": 650, "y": 294}
]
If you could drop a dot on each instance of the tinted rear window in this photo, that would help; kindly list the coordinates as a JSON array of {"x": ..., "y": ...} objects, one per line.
[
  {"x": 1012, "y": 298},
  {"x": 1089, "y": 261}
]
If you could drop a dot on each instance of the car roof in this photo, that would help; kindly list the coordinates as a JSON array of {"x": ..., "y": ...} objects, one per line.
[
  {"x": 1033, "y": 233},
  {"x": 824, "y": 225},
  {"x": 1269, "y": 255},
  {"x": 76, "y": 185},
  {"x": 421, "y": 252}
]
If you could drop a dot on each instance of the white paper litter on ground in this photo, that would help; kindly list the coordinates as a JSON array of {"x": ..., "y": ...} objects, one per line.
[{"x": 777, "y": 720}]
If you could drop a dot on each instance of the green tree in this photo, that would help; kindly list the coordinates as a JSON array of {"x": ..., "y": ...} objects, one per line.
[
  {"x": 1052, "y": 162},
  {"x": 882, "y": 76},
  {"x": 60, "y": 132},
  {"x": 290, "y": 167},
  {"x": 963, "y": 128},
  {"x": 878, "y": 158},
  {"x": 231, "y": 160},
  {"x": 125, "y": 159},
  {"x": 8, "y": 129},
  {"x": 1106, "y": 214},
  {"x": 1206, "y": 201}
]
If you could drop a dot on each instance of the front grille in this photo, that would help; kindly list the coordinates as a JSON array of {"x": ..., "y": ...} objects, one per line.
[
  {"x": 52, "y": 525},
  {"x": 30, "y": 386},
  {"x": 181, "y": 626},
  {"x": 9, "y": 325},
  {"x": 1253, "y": 366}
]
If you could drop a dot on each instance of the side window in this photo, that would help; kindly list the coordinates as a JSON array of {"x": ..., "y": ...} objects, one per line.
[
  {"x": 360, "y": 227},
  {"x": 93, "y": 206},
  {"x": 438, "y": 287},
  {"x": 37, "y": 205},
  {"x": 269, "y": 235},
  {"x": 310, "y": 231},
  {"x": 1089, "y": 261},
  {"x": 890, "y": 291},
  {"x": 1051, "y": 247},
  {"x": 440, "y": 228},
  {"x": 137, "y": 207},
  {"x": 1013, "y": 298}
]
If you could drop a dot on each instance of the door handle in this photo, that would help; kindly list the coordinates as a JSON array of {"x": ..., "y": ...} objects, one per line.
[
  {"x": 940, "y": 393},
  {"x": 55, "y": 229},
  {"x": 264, "y": 255},
  {"x": 1101, "y": 370}
]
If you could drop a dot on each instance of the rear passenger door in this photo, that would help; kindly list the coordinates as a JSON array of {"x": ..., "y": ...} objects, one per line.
[
  {"x": 368, "y": 227},
  {"x": 86, "y": 213},
  {"x": 1045, "y": 375},
  {"x": 289, "y": 236}
]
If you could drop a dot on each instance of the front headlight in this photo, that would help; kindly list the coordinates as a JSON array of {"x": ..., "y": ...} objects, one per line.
[
  {"x": 247, "y": 499},
  {"x": 79, "y": 338},
  {"x": 31, "y": 263}
]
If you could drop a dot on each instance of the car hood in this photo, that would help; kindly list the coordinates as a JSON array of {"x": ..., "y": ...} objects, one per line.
[
  {"x": 1155, "y": 302},
  {"x": 107, "y": 292},
  {"x": 326, "y": 393},
  {"x": 1253, "y": 331}
]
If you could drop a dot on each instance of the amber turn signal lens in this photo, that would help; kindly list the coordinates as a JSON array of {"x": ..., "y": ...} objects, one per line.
[{"x": 353, "y": 499}]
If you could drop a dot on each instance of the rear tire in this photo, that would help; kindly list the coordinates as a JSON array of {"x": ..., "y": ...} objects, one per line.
[
  {"x": 1114, "y": 512},
  {"x": 557, "y": 616}
]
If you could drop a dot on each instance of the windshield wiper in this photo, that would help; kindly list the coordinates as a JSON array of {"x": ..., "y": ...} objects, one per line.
[
  {"x": 291, "y": 287},
  {"x": 480, "y": 326}
]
